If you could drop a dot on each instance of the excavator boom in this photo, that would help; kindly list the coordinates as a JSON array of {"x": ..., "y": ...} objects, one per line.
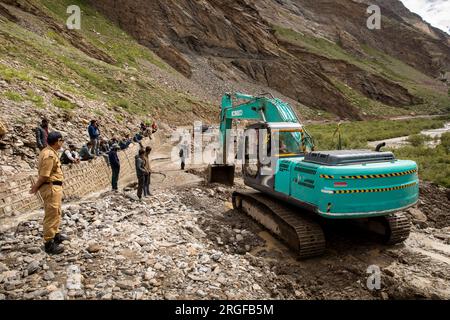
[{"x": 239, "y": 106}]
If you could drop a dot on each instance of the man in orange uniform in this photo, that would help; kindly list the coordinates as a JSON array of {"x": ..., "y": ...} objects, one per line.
[{"x": 50, "y": 187}]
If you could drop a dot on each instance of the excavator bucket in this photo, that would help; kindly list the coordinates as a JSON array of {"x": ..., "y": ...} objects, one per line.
[{"x": 223, "y": 174}]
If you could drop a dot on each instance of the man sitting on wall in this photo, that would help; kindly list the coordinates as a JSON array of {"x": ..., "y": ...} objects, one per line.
[
  {"x": 70, "y": 155},
  {"x": 125, "y": 143},
  {"x": 104, "y": 146},
  {"x": 85, "y": 152}
]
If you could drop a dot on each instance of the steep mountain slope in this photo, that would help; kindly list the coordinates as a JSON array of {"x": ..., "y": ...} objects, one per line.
[
  {"x": 71, "y": 77},
  {"x": 317, "y": 52},
  {"x": 101, "y": 71},
  {"x": 318, "y": 55}
]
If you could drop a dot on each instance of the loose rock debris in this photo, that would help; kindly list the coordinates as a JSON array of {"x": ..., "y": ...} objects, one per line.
[{"x": 189, "y": 243}]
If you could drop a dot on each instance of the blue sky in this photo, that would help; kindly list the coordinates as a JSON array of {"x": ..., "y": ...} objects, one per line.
[{"x": 435, "y": 12}]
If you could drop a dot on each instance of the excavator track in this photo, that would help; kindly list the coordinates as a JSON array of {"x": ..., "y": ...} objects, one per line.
[
  {"x": 392, "y": 229},
  {"x": 301, "y": 234},
  {"x": 399, "y": 227}
]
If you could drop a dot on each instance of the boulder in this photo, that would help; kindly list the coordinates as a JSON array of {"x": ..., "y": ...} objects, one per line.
[{"x": 417, "y": 215}]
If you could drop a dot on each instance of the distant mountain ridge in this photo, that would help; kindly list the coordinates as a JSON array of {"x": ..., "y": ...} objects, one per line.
[
  {"x": 178, "y": 57},
  {"x": 240, "y": 37}
]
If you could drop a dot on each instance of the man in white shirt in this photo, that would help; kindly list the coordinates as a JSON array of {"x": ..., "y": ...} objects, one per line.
[{"x": 70, "y": 156}]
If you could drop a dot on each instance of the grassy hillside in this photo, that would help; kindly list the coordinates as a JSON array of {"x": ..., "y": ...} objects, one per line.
[{"x": 29, "y": 55}]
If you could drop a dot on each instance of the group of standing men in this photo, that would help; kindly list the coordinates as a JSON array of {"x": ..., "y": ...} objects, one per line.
[{"x": 143, "y": 170}]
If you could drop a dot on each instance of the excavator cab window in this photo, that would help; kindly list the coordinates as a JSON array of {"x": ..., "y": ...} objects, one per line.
[{"x": 289, "y": 142}]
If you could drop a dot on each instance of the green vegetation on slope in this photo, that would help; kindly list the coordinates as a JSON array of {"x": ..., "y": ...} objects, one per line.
[
  {"x": 37, "y": 100},
  {"x": 13, "y": 96},
  {"x": 367, "y": 106},
  {"x": 65, "y": 105},
  {"x": 10, "y": 74},
  {"x": 103, "y": 34},
  {"x": 126, "y": 86},
  {"x": 434, "y": 163},
  {"x": 320, "y": 46}
]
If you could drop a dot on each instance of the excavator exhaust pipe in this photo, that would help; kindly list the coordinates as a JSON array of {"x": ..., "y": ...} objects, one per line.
[{"x": 223, "y": 174}]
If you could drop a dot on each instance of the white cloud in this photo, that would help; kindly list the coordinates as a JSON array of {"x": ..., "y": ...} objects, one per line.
[{"x": 435, "y": 12}]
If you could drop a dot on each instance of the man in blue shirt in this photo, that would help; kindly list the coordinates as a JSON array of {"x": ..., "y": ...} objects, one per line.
[
  {"x": 125, "y": 143},
  {"x": 94, "y": 135}
]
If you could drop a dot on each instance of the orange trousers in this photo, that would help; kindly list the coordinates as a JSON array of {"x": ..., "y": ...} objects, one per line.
[{"x": 52, "y": 196}]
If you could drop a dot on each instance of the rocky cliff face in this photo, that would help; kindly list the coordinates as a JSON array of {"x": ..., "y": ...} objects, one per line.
[
  {"x": 241, "y": 41},
  {"x": 318, "y": 55}
]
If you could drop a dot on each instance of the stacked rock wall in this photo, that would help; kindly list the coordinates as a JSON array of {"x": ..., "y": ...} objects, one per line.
[{"x": 79, "y": 180}]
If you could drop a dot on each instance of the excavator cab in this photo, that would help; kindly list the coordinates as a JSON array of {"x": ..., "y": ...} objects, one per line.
[
  {"x": 258, "y": 160},
  {"x": 264, "y": 145}
]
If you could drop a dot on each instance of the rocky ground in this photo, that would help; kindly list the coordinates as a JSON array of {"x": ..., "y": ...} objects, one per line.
[{"x": 186, "y": 242}]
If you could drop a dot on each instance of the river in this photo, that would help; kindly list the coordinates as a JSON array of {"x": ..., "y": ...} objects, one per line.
[{"x": 399, "y": 142}]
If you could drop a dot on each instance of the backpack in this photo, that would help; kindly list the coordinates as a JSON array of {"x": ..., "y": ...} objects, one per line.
[
  {"x": 64, "y": 159},
  {"x": 181, "y": 152}
]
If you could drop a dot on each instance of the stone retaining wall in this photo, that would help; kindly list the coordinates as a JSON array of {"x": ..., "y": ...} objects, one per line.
[{"x": 80, "y": 180}]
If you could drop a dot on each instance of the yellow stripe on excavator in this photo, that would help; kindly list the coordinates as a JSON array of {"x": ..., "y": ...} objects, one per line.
[
  {"x": 372, "y": 176},
  {"x": 288, "y": 155},
  {"x": 375, "y": 190},
  {"x": 376, "y": 176}
]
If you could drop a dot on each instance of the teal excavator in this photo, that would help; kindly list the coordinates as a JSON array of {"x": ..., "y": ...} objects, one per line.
[{"x": 291, "y": 184}]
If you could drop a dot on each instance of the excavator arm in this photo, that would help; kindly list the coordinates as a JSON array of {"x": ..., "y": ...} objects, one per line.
[
  {"x": 240, "y": 106},
  {"x": 253, "y": 108},
  {"x": 269, "y": 110}
]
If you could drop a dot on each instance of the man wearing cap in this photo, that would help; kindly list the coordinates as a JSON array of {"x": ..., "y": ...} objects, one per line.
[
  {"x": 50, "y": 187},
  {"x": 115, "y": 165}
]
